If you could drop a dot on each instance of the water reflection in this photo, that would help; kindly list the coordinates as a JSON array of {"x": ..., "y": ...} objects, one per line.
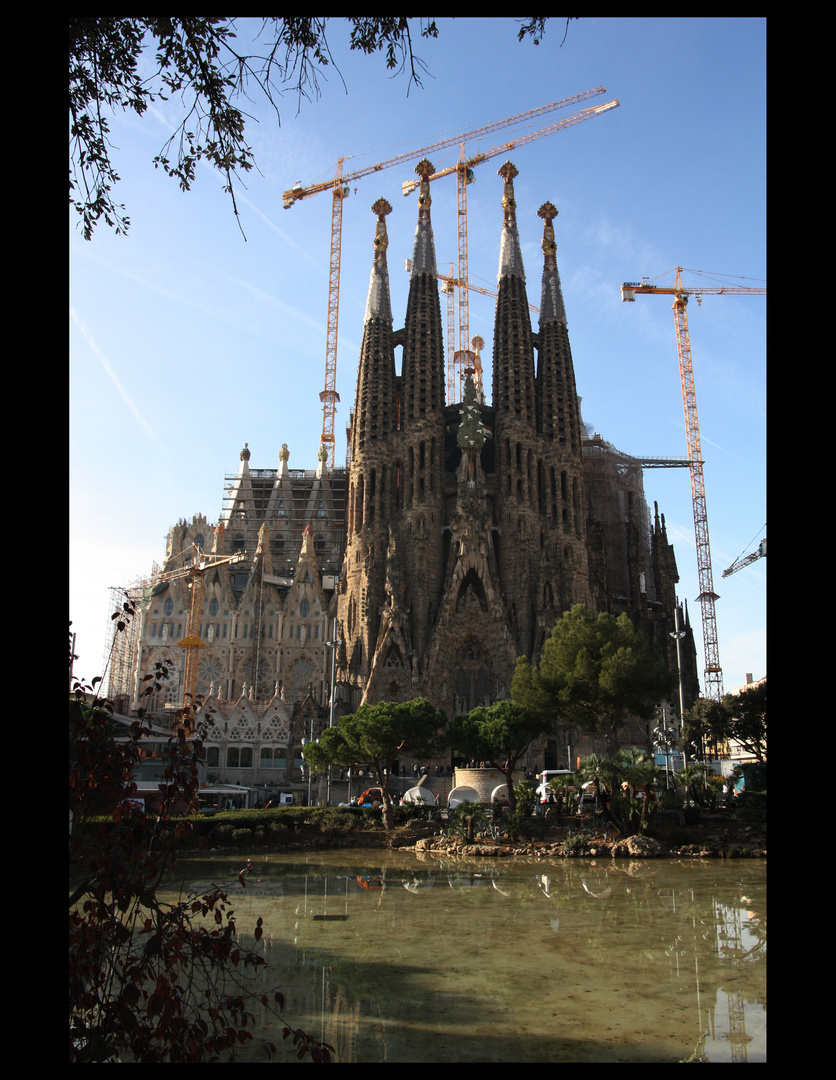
[{"x": 392, "y": 958}]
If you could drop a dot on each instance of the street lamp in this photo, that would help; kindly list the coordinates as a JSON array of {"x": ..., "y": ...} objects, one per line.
[
  {"x": 333, "y": 645},
  {"x": 678, "y": 635},
  {"x": 307, "y": 766},
  {"x": 664, "y": 737}
]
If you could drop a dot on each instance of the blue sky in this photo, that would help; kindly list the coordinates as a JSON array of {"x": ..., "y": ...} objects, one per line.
[{"x": 186, "y": 340}]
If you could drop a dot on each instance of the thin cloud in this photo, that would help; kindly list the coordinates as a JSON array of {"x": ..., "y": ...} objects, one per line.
[{"x": 113, "y": 377}]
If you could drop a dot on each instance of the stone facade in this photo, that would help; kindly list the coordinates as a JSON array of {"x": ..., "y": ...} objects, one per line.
[
  {"x": 454, "y": 543},
  {"x": 469, "y": 527}
]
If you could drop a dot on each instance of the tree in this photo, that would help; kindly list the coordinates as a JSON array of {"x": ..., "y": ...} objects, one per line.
[
  {"x": 378, "y": 735},
  {"x": 197, "y": 58},
  {"x": 623, "y": 787},
  {"x": 149, "y": 981},
  {"x": 500, "y": 733},
  {"x": 596, "y": 672},
  {"x": 739, "y": 718},
  {"x": 705, "y": 727},
  {"x": 747, "y": 719}
]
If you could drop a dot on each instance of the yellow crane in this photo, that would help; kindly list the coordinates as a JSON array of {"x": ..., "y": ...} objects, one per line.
[
  {"x": 192, "y": 642},
  {"x": 463, "y": 169},
  {"x": 707, "y": 596},
  {"x": 339, "y": 188}
]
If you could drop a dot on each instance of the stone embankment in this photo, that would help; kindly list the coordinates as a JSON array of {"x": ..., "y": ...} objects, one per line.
[
  {"x": 729, "y": 840},
  {"x": 632, "y": 847}
]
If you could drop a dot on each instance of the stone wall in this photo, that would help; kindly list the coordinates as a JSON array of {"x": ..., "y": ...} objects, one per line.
[{"x": 483, "y": 780}]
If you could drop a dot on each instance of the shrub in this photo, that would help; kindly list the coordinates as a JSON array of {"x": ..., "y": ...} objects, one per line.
[{"x": 576, "y": 843}]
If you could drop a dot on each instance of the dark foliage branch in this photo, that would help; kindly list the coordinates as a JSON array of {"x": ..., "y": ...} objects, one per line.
[
  {"x": 149, "y": 980},
  {"x": 112, "y": 69}
]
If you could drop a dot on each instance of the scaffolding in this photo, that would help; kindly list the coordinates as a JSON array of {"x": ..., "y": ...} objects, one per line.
[
  {"x": 287, "y": 508},
  {"x": 122, "y": 646}
]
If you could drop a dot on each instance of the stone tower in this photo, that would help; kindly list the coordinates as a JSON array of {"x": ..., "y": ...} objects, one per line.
[
  {"x": 466, "y": 527},
  {"x": 451, "y": 546}
]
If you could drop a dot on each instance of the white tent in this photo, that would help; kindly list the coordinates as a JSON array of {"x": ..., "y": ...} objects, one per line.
[
  {"x": 461, "y": 794},
  {"x": 419, "y": 795}
]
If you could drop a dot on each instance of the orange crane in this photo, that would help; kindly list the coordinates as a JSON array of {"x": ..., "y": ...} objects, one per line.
[
  {"x": 339, "y": 188},
  {"x": 464, "y": 176},
  {"x": 191, "y": 642},
  {"x": 707, "y": 596}
]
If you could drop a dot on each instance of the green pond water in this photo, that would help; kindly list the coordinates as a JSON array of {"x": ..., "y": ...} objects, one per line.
[{"x": 394, "y": 958}]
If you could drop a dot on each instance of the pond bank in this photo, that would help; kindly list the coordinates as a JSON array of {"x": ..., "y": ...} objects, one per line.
[{"x": 719, "y": 836}]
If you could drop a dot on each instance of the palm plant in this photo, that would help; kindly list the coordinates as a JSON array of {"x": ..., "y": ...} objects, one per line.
[
  {"x": 466, "y": 817},
  {"x": 695, "y": 778},
  {"x": 639, "y": 774}
]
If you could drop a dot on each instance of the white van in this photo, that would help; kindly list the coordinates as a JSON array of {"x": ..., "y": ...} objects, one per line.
[{"x": 545, "y": 777}]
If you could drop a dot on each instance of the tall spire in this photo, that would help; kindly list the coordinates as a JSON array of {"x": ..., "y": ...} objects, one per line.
[
  {"x": 374, "y": 403},
  {"x": 423, "y": 258},
  {"x": 510, "y": 256},
  {"x": 378, "y": 304},
  {"x": 551, "y": 296},
  {"x": 423, "y": 371},
  {"x": 513, "y": 364}
]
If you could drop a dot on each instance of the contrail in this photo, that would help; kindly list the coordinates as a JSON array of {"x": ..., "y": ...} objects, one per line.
[{"x": 91, "y": 342}]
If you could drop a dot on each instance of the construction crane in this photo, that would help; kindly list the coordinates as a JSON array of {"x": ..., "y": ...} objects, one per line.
[
  {"x": 339, "y": 188},
  {"x": 707, "y": 596},
  {"x": 191, "y": 642},
  {"x": 464, "y": 176},
  {"x": 746, "y": 560}
]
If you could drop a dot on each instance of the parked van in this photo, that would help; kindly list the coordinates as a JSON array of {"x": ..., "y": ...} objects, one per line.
[{"x": 545, "y": 777}]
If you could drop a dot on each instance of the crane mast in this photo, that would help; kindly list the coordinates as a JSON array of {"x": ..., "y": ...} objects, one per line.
[
  {"x": 192, "y": 642},
  {"x": 707, "y": 595}
]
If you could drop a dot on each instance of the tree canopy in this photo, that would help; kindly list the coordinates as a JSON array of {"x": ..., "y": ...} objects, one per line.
[
  {"x": 596, "y": 672},
  {"x": 739, "y": 718},
  {"x": 500, "y": 733},
  {"x": 377, "y": 735},
  {"x": 119, "y": 63}
]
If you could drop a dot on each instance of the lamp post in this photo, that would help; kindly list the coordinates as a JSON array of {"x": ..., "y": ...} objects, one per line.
[
  {"x": 333, "y": 645},
  {"x": 678, "y": 635},
  {"x": 308, "y": 769},
  {"x": 664, "y": 737}
]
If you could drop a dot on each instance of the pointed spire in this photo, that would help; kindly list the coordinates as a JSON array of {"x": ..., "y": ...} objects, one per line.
[
  {"x": 551, "y": 296},
  {"x": 510, "y": 255},
  {"x": 240, "y": 495},
  {"x": 423, "y": 256},
  {"x": 378, "y": 304}
]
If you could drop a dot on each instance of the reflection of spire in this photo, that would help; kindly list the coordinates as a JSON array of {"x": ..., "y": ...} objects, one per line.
[
  {"x": 378, "y": 305},
  {"x": 551, "y": 297},
  {"x": 510, "y": 256},
  {"x": 423, "y": 257}
]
